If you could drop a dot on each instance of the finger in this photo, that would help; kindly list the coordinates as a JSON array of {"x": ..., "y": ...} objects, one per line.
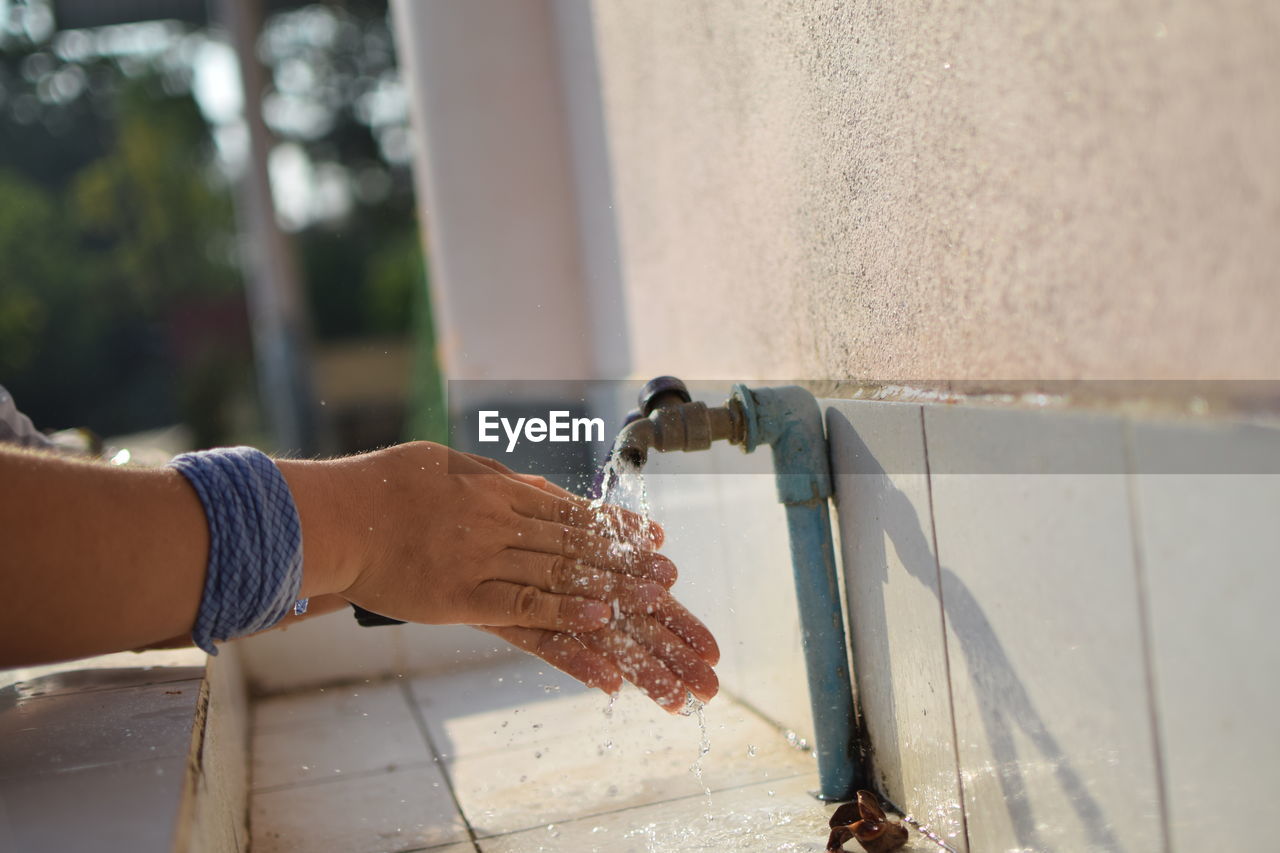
[
  {"x": 676, "y": 617},
  {"x": 501, "y": 604},
  {"x": 576, "y": 543},
  {"x": 566, "y": 653},
  {"x": 674, "y": 652},
  {"x": 605, "y": 553},
  {"x": 639, "y": 666},
  {"x": 654, "y": 567},
  {"x": 553, "y": 503},
  {"x": 563, "y": 576},
  {"x": 608, "y": 520}
]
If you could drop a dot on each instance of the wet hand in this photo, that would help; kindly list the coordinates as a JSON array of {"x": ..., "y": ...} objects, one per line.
[
  {"x": 655, "y": 643},
  {"x": 443, "y": 537}
]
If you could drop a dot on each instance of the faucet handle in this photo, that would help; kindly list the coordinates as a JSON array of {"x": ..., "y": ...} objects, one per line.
[{"x": 655, "y": 393}]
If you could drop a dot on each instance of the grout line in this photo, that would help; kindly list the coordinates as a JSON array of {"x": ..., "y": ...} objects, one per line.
[
  {"x": 329, "y": 780},
  {"x": 421, "y": 722},
  {"x": 946, "y": 650},
  {"x": 444, "y": 846},
  {"x": 1145, "y": 629}
]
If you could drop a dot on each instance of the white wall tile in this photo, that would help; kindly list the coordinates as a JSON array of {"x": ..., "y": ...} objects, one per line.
[
  {"x": 728, "y": 534},
  {"x": 323, "y": 650},
  {"x": 334, "y": 648},
  {"x": 894, "y": 609},
  {"x": 1209, "y": 531},
  {"x": 441, "y": 648},
  {"x": 1047, "y": 665}
]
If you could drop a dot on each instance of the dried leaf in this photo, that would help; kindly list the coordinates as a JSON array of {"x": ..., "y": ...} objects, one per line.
[
  {"x": 874, "y": 831},
  {"x": 839, "y": 835},
  {"x": 845, "y": 815}
]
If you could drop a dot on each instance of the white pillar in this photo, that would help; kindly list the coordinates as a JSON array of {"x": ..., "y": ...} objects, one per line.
[{"x": 496, "y": 188}]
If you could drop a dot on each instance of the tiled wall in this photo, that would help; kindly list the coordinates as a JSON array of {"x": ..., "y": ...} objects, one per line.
[
  {"x": 1054, "y": 629},
  {"x": 333, "y": 649},
  {"x": 1060, "y": 620}
]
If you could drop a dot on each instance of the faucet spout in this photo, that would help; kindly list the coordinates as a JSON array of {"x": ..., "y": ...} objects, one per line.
[{"x": 680, "y": 426}]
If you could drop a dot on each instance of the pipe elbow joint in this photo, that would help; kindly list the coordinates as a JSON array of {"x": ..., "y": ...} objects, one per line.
[{"x": 789, "y": 419}]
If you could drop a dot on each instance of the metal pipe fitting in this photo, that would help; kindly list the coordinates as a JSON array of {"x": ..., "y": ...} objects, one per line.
[{"x": 676, "y": 424}]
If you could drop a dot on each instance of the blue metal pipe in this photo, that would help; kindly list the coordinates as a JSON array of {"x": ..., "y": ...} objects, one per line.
[{"x": 789, "y": 420}]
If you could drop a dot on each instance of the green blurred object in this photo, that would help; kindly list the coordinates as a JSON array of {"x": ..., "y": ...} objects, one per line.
[{"x": 428, "y": 413}]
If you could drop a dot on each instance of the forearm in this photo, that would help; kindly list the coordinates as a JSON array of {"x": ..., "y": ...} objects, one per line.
[{"x": 96, "y": 558}]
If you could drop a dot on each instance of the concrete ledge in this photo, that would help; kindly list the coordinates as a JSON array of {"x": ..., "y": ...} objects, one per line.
[{"x": 128, "y": 752}]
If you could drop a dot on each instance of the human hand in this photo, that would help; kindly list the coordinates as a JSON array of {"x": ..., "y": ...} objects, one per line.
[
  {"x": 440, "y": 537},
  {"x": 662, "y": 648},
  {"x": 423, "y": 533}
]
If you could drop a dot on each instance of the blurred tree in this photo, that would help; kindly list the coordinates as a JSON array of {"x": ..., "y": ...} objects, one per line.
[
  {"x": 93, "y": 278},
  {"x": 118, "y": 299}
]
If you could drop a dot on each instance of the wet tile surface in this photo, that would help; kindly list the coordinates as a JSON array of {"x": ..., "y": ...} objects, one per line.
[
  {"x": 93, "y": 753},
  {"x": 779, "y": 816},
  {"x": 494, "y": 708},
  {"x": 71, "y": 731},
  {"x": 125, "y": 807},
  {"x": 536, "y": 747},
  {"x": 401, "y": 810},
  {"x": 522, "y": 746},
  {"x": 604, "y": 769}
]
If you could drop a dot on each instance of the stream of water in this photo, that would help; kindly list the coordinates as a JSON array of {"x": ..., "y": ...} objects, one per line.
[{"x": 623, "y": 485}]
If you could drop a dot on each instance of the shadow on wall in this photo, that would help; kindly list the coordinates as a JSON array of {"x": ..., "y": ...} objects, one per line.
[{"x": 1005, "y": 705}]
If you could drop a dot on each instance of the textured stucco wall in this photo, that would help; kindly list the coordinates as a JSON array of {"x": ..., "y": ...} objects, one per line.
[{"x": 943, "y": 191}]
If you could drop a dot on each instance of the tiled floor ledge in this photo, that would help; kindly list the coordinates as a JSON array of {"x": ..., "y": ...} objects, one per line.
[
  {"x": 129, "y": 752},
  {"x": 515, "y": 756}
]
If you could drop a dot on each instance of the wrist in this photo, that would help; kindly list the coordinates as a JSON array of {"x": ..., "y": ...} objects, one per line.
[{"x": 329, "y": 512}]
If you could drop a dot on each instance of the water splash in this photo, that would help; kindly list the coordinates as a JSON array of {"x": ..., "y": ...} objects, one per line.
[
  {"x": 623, "y": 485},
  {"x": 608, "y": 715},
  {"x": 693, "y": 707}
]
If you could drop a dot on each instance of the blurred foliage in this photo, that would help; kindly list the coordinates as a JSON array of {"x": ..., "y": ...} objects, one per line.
[
  {"x": 120, "y": 301},
  {"x": 96, "y": 262}
]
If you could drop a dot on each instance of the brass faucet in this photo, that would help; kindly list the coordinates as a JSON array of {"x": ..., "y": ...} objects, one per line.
[{"x": 668, "y": 420}]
